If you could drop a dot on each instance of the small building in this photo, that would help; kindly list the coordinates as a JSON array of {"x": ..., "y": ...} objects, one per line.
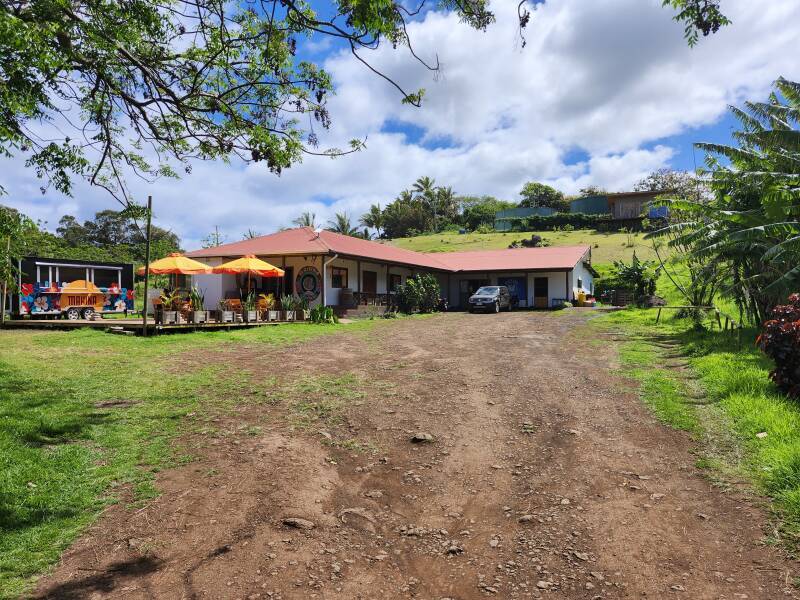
[
  {"x": 621, "y": 206},
  {"x": 630, "y": 205},
  {"x": 320, "y": 265},
  {"x": 504, "y": 220}
]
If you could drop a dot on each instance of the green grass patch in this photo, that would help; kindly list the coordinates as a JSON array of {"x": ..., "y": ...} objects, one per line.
[
  {"x": 322, "y": 399},
  {"x": 606, "y": 247},
  {"x": 764, "y": 425},
  {"x": 84, "y": 413},
  {"x": 661, "y": 390}
]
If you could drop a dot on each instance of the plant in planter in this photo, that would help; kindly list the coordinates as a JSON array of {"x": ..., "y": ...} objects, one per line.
[
  {"x": 197, "y": 300},
  {"x": 249, "y": 313},
  {"x": 266, "y": 306},
  {"x": 301, "y": 308},
  {"x": 170, "y": 302},
  {"x": 287, "y": 308},
  {"x": 224, "y": 315}
]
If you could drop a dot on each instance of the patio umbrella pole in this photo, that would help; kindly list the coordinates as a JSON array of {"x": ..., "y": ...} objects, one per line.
[{"x": 147, "y": 264}]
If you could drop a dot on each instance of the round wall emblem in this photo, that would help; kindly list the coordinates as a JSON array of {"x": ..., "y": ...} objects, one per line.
[{"x": 308, "y": 283}]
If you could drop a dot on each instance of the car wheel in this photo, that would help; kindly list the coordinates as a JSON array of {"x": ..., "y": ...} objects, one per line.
[
  {"x": 87, "y": 313},
  {"x": 73, "y": 314}
]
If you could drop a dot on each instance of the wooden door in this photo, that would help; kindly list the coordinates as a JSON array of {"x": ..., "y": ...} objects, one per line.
[
  {"x": 540, "y": 292},
  {"x": 370, "y": 282}
]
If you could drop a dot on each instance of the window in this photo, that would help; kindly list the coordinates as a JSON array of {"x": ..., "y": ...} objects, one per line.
[
  {"x": 68, "y": 274},
  {"x": 338, "y": 277},
  {"x": 395, "y": 281},
  {"x": 106, "y": 277},
  {"x": 580, "y": 283}
]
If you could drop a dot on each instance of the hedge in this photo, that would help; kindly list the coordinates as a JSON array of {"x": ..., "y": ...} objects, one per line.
[{"x": 549, "y": 222}]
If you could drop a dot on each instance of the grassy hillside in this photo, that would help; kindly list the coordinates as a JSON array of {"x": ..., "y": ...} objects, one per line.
[{"x": 606, "y": 247}]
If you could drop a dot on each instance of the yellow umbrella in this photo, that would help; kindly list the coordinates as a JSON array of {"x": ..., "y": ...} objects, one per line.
[
  {"x": 176, "y": 264},
  {"x": 251, "y": 265}
]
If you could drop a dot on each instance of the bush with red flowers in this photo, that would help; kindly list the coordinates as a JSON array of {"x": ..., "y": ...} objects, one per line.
[{"x": 780, "y": 340}]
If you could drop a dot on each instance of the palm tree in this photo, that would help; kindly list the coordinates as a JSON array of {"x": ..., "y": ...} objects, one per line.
[
  {"x": 447, "y": 203},
  {"x": 307, "y": 219},
  {"x": 405, "y": 197},
  {"x": 373, "y": 218},
  {"x": 425, "y": 189},
  {"x": 341, "y": 224}
]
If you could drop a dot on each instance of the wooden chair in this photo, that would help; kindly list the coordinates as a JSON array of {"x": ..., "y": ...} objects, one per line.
[{"x": 233, "y": 304}]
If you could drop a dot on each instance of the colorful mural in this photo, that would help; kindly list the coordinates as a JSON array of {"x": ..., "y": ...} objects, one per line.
[
  {"x": 46, "y": 298},
  {"x": 309, "y": 283}
]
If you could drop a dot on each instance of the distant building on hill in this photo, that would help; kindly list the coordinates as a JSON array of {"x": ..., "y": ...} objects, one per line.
[
  {"x": 620, "y": 205},
  {"x": 504, "y": 220},
  {"x": 624, "y": 209}
]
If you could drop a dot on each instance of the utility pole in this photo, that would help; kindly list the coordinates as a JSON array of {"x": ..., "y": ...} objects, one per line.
[{"x": 147, "y": 264}]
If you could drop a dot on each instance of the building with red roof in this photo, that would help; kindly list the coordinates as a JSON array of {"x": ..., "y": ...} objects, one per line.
[{"x": 331, "y": 268}]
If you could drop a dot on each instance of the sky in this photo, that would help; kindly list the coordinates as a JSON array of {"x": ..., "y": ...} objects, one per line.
[{"x": 603, "y": 93}]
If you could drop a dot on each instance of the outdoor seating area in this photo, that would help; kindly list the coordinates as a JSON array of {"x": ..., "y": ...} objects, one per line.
[{"x": 176, "y": 306}]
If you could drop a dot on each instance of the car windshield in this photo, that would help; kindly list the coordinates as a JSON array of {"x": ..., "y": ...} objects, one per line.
[{"x": 487, "y": 291}]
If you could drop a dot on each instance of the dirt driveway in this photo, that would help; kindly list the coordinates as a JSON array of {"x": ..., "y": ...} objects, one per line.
[{"x": 546, "y": 477}]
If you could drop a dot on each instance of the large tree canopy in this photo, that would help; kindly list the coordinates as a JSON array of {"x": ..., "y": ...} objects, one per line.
[{"x": 135, "y": 85}]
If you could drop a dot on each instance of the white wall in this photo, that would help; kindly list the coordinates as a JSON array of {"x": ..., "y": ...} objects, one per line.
[
  {"x": 382, "y": 284},
  {"x": 587, "y": 280}
]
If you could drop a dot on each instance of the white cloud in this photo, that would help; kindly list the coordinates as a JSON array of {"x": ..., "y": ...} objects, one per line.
[{"x": 610, "y": 77}]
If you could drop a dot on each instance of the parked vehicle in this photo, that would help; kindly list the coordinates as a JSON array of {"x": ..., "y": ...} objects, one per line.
[
  {"x": 493, "y": 298},
  {"x": 72, "y": 289}
]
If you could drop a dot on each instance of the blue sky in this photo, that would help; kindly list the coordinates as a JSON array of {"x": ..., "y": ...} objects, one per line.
[{"x": 604, "y": 92}]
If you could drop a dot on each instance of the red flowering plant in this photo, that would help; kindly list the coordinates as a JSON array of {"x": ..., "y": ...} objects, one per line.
[{"x": 780, "y": 340}]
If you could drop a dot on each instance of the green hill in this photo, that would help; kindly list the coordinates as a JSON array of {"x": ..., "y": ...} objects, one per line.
[{"x": 606, "y": 247}]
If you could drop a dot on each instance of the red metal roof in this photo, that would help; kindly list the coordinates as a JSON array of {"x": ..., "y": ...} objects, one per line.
[
  {"x": 304, "y": 241},
  {"x": 515, "y": 259}
]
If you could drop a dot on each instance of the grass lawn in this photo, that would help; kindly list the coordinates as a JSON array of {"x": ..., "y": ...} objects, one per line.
[
  {"x": 606, "y": 247},
  {"x": 85, "y": 414},
  {"x": 736, "y": 400}
]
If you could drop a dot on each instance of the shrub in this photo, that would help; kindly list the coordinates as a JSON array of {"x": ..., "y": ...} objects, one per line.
[
  {"x": 484, "y": 228},
  {"x": 640, "y": 276},
  {"x": 780, "y": 340},
  {"x": 419, "y": 293},
  {"x": 323, "y": 314}
]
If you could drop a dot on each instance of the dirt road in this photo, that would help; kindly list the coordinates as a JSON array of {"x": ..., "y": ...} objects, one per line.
[{"x": 546, "y": 477}]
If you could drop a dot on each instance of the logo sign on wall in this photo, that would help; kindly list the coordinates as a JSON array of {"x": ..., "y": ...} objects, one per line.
[{"x": 308, "y": 283}]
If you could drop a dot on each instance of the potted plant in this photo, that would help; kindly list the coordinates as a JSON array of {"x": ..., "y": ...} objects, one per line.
[
  {"x": 225, "y": 315},
  {"x": 267, "y": 306},
  {"x": 249, "y": 312},
  {"x": 301, "y": 306},
  {"x": 287, "y": 308},
  {"x": 197, "y": 300},
  {"x": 169, "y": 301}
]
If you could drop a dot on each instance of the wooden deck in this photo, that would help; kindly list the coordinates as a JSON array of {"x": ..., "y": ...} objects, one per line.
[{"x": 134, "y": 326}]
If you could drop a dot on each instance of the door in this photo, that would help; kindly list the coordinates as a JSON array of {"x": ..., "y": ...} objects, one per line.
[
  {"x": 370, "y": 282},
  {"x": 540, "y": 292},
  {"x": 288, "y": 281}
]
